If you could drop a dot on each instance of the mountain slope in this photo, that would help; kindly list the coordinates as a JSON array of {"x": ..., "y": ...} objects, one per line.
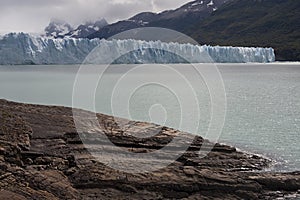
[
  {"x": 268, "y": 23},
  {"x": 177, "y": 19},
  {"x": 83, "y": 30},
  {"x": 189, "y": 14},
  {"x": 57, "y": 28},
  {"x": 274, "y": 23},
  {"x": 263, "y": 23},
  {"x": 60, "y": 29}
]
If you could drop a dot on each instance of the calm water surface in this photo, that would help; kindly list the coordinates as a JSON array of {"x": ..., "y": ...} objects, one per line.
[{"x": 263, "y": 101}]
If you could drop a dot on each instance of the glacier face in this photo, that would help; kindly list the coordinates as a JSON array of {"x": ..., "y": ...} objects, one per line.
[{"x": 21, "y": 48}]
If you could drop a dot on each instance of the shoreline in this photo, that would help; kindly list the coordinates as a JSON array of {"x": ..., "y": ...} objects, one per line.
[
  {"x": 273, "y": 161},
  {"x": 208, "y": 63},
  {"x": 41, "y": 149}
]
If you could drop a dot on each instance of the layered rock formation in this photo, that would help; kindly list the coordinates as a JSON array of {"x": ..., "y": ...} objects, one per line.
[{"x": 42, "y": 157}]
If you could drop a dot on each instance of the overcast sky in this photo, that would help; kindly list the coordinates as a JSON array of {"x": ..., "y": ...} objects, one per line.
[{"x": 34, "y": 15}]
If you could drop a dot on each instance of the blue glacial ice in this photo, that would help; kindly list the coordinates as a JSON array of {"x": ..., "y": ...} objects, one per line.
[{"x": 21, "y": 48}]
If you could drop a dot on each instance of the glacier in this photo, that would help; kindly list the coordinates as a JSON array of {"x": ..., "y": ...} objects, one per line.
[{"x": 22, "y": 48}]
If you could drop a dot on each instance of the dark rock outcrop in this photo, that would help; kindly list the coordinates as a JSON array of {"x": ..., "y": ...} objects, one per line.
[
  {"x": 57, "y": 28},
  {"x": 178, "y": 19},
  {"x": 43, "y": 157}
]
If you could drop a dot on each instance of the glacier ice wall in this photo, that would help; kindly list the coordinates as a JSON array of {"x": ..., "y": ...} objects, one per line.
[{"x": 21, "y": 48}]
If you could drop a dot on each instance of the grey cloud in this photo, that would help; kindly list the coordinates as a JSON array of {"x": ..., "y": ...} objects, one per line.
[
  {"x": 32, "y": 3},
  {"x": 34, "y": 15}
]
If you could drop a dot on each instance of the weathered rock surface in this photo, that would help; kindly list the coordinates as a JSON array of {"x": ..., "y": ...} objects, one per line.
[{"x": 42, "y": 157}]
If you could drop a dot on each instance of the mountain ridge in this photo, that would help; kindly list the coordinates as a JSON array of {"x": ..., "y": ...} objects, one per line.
[
  {"x": 177, "y": 19},
  {"x": 268, "y": 23},
  {"x": 59, "y": 28},
  {"x": 242, "y": 23},
  {"x": 263, "y": 23}
]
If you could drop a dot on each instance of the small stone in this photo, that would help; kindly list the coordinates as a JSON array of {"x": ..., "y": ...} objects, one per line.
[
  {"x": 128, "y": 188},
  {"x": 2, "y": 159},
  {"x": 5, "y": 175},
  {"x": 70, "y": 171},
  {"x": 2, "y": 151},
  {"x": 28, "y": 161},
  {"x": 189, "y": 171},
  {"x": 43, "y": 160},
  {"x": 3, "y": 167}
]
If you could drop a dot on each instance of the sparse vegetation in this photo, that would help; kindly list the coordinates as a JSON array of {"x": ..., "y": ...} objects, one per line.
[{"x": 268, "y": 23}]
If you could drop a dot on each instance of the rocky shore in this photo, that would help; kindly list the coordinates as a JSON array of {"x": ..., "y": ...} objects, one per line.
[{"x": 43, "y": 157}]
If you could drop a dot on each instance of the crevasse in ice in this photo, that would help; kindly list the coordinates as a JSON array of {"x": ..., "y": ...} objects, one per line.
[{"x": 21, "y": 48}]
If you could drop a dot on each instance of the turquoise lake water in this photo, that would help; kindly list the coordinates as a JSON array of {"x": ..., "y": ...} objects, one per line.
[{"x": 263, "y": 100}]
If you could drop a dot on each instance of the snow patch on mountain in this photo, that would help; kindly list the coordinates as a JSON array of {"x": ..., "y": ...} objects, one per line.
[
  {"x": 60, "y": 29},
  {"x": 86, "y": 29},
  {"x": 197, "y": 3},
  {"x": 211, "y": 3},
  {"x": 57, "y": 28}
]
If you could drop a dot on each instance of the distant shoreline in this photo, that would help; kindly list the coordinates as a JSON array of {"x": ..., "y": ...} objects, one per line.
[{"x": 250, "y": 63}]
